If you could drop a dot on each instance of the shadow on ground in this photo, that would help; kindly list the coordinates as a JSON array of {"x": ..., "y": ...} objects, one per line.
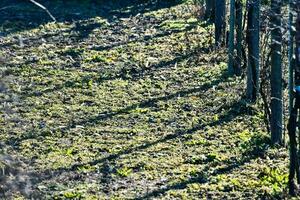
[
  {"x": 256, "y": 148},
  {"x": 18, "y": 15}
]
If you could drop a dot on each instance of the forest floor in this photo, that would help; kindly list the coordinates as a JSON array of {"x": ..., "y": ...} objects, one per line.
[{"x": 126, "y": 101}]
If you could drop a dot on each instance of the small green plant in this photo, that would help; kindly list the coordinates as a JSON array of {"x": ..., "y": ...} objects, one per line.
[
  {"x": 72, "y": 195},
  {"x": 140, "y": 110},
  {"x": 87, "y": 81},
  {"x": 274, "y": 178},
  {"x": 245, "y": 135},
  {"x": 179, "y": 24},
  {"x": 236, "y": 182},
  {"x": 86, "y": 168},
  {"x": 194, "y": 142},
  {"x": 254, "y": 143},
  {"x": 211, "y": 157},
  {"x": 124, "y": 172},
  {"x": 69, "y": 152}
]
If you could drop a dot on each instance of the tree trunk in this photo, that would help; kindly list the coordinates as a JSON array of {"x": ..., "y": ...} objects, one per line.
[
  {"x": 220, "y": 22},
  {"x": 239, "y": 36},
  {"x": 210, "y": 10},
  {"x": 291, "y": 62},
  {"x": 276, "y": 73},
  {"x": 253, "y": 50},
  {"x": 297, "y": 50},
  {"x": 292, "y": 124},
  {"x": 231, "y": 56}
]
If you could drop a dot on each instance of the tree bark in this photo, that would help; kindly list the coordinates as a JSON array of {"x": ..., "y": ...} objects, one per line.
[
  {"x": 253, "y": 50},
  {"x": 292, "y": 124},
  {"x": 276, "y": 73},
  {"x": 220, "y": 22},
  {"x": 291, "y": 61},
  {"x": 239, "y": 37},
  {"x": 210, "y": 10},
  {"x": 231, "y": 56}
]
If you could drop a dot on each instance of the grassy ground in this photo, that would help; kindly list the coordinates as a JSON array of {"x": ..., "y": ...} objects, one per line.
[{"x": 127, "y": 102}]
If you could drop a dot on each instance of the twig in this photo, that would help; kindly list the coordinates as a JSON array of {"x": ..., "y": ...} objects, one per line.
[
  {"x": 44, "y": 8},
  {"x": 6, "y": 7}
]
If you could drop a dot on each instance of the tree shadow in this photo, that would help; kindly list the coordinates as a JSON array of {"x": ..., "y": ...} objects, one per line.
[
  {"x": 84, "y": 30},
  {"x": 258, "y": 145},
  {"x": 129, "y": 73},
  {"x": 142, "y": 39},
  {"x": 144, "y": 104},
  {"x": 18, "y": 15},
  {"x": 238, "y": 108},
  {"x": 235, "y": 109},
  {"x": 135, "y": 74},
  {"x": 153, "y": 101}
]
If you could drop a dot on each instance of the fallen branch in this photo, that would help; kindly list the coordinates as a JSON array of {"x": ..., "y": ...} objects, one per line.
[{"x": 44, "y": 8}]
